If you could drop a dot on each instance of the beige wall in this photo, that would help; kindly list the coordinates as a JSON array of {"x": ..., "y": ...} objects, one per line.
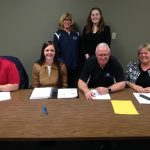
[{"x": 26, "y": 24}]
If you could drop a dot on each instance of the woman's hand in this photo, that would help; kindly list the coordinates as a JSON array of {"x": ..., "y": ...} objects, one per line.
[
  {"x": 139, "y": 89},
  {"x": 147, "y": 90}
]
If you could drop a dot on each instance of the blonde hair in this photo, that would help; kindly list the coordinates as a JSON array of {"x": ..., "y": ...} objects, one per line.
[
  {"x": 65, "y": 16},
  {"x": 146, "y": 46}
]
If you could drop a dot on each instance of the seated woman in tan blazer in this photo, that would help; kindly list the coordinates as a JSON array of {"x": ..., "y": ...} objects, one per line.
[{"x": 48, "y": 71}]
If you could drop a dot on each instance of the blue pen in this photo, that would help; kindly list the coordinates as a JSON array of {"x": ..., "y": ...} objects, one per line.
[{"x": 44, "y": 110}]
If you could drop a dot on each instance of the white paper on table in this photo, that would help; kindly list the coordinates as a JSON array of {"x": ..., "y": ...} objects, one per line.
[
  {"x": 140, "y": 99},
  {"x": 100, "y": 96},
  {"x": 5, "y": 96},
  {"x": 41, "y": 93},
  {"x": 67, "y": 93}
]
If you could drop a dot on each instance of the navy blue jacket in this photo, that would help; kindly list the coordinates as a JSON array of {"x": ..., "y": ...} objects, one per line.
[{"x": 67, "y": 45}]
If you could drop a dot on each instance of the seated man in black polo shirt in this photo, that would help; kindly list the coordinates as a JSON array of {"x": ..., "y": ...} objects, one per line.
[{"x": 102, "y": 72}]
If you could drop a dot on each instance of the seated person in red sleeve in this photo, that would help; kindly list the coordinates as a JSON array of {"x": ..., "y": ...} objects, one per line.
[{"x": 9, "y": 76}]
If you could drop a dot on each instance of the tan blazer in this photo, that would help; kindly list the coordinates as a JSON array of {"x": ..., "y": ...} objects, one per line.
[{"x": 40, "y": 75}]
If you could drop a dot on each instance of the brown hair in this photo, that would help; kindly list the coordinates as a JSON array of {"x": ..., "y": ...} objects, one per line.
[
  {"x": 90, "y": 23},
  {"x": 56, "y": 61}
]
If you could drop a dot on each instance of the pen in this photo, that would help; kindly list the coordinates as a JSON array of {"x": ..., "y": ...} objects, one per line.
[
  {"x": 44, "y": 110},
  {"x": 144, "y": 96}
]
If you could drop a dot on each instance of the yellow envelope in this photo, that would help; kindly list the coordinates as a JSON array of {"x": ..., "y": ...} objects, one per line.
[{"x": 124, "y": 107}]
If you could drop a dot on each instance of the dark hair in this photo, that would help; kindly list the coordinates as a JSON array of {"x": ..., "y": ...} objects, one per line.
[
  {"x": 41, "y": 61},
  {"x": 90, "y": 23}
]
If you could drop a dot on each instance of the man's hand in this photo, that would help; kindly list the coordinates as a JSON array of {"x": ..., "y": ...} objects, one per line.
[
  {"x": 102, "y": 90},
  {"x": 89, "y": 95}
]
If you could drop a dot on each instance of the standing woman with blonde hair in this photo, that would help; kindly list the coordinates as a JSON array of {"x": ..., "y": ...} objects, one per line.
[{"x": 67, "y": 42}]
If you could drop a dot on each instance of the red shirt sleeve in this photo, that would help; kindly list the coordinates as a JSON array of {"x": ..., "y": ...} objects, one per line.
[{"x": 13, "y": 74}]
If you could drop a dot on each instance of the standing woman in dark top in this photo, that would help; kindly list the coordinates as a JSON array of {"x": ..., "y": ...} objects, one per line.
[
  {"x": 67, "y": 43},
  {"x": 138, "y": 73},
  {"x": 94, "y": 32}
]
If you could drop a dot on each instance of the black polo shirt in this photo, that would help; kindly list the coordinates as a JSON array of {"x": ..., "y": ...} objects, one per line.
[
  {"x": 96, "y": 76},
  {"x": 144, "y": 78}
]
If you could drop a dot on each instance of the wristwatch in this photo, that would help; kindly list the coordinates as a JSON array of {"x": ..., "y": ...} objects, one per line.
[{"x": 109, "y": 90}]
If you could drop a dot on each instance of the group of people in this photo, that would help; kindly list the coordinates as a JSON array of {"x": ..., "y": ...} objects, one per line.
[{"x": 71, "y": 60}]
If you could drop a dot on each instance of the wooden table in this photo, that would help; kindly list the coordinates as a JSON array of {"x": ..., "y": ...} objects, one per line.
[{"x": 71, "y": 119}]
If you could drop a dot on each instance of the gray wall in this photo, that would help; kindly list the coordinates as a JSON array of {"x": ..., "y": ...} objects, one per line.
[{"x": 26, "y": 24}]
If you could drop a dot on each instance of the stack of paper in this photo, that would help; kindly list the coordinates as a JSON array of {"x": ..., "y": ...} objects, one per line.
[
  {"x": 41, "y": 93},
  {"x": 124, "y": 107},
  {"x": 50, "y": 92},
  {"x": 4, "y": 96}
]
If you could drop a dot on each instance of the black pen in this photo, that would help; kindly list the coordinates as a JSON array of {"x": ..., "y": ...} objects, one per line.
[{"x": 144, "y": 96}]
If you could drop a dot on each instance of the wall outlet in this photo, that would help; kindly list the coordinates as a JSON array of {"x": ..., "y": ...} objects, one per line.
[{"x": 113, "y": 35}]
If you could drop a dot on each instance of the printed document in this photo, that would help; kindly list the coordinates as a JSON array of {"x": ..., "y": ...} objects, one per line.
[
  {"x": 4, "y": 96},
  {"x": 50, "y": 92},
  {"x": 67, "y": 93},
  {"x": 140, "y": 99},
  {"x": 98, "y": 96}
]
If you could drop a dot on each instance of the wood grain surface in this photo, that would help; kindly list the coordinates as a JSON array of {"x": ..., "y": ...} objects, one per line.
[{"x": 21, "y": 118}]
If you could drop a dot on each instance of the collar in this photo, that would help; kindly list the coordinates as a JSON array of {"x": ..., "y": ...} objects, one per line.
[{"x": 53, "y": 65}]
